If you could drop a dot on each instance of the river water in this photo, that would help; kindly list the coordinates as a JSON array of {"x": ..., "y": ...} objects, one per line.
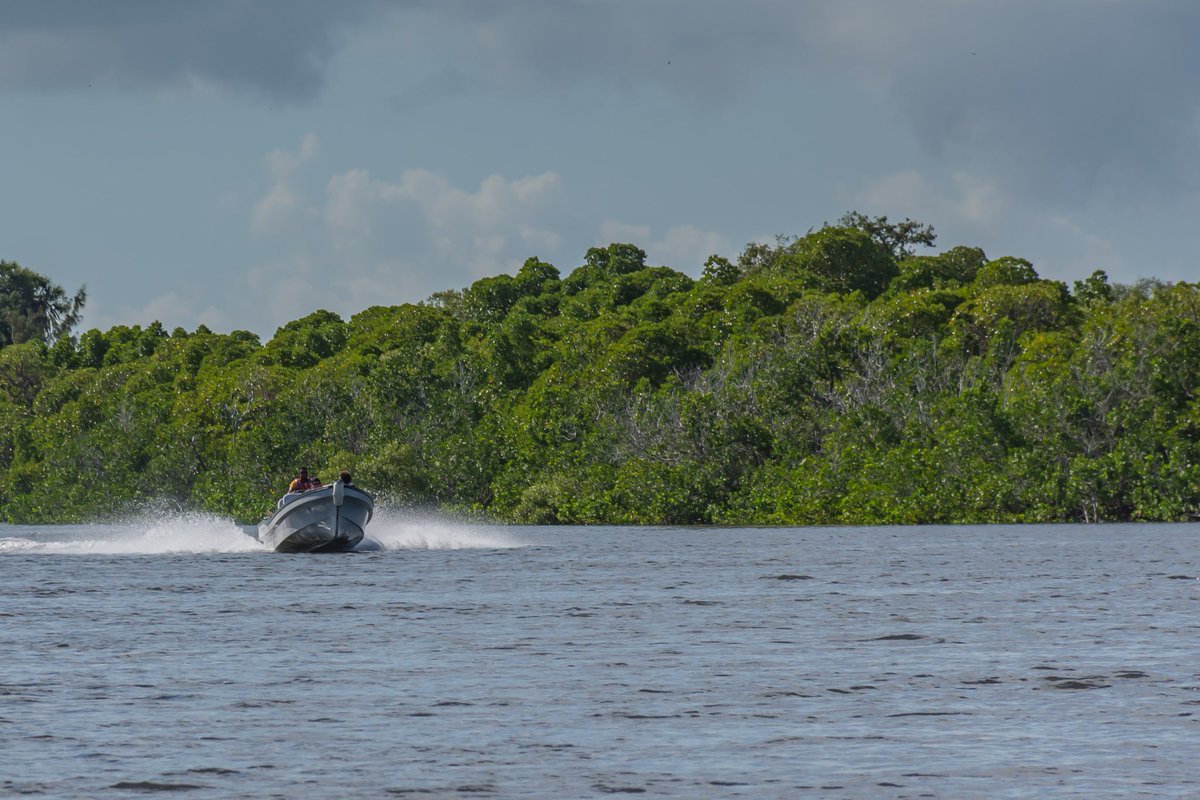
[{"x": 177, "y": 656}]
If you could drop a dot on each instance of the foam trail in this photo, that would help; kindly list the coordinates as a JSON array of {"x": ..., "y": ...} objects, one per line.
[
  {"x": 415, "y": 532},
  {"x": 147, "y": 535},
  {"x": 152, "y": 534}
]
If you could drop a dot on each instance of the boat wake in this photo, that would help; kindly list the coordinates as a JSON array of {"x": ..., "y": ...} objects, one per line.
[
  {"x": 209, "y": 533},
  {"x": 388, "y": 532},
  {"x": 149, "y": 535}
]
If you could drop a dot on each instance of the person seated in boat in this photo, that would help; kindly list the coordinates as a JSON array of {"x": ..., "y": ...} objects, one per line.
[
  {"x": 303, "y": 483},
  {"x": 344, "y": 477}
]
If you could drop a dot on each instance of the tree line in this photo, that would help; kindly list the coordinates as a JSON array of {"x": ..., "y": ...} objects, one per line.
[{"x": 846, "y": 376}]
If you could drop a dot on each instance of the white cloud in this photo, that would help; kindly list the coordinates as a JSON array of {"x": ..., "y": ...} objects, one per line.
[
  {"x": 219, "y": 320},
  {"x": 277, "y": 207},
  {"x": 370, "y": 241},
  {"x": 904, "y": 189},
  {"x": 966, "y": 208},
  {"x": 962, "y": 199},
  {"x": 476, "y": 233},
  {"x": 612, "y": 230},
  {"x": 274, "y": 208},
  {"x": 1089, "y": 251},
  {"x": 979, "y": 200},
  {"x": 285, "y": 289},
  {"x": 684, "y": 248},
  {"x": 348, "y": 199},
  {"x": 296, "y": 285},
  {"x": 172, "y": 309},
  {"x": 540, "y": 238}
]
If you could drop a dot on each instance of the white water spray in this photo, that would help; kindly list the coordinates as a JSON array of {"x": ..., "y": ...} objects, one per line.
[
  {"x": 139, "y": 535},
  {"x": 159, "y": 534},
  {"x": 431, "y": 532}
]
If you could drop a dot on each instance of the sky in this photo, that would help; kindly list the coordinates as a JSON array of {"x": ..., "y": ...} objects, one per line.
[{"x": 243, "y": 163}]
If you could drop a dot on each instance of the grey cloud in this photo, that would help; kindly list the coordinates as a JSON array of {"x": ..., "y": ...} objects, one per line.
[
  {"x": 276, "y": 47},
  {"x": 1067, "y": 98},
  {"x": 1070, "y": 98},
  {"x": 696, "y": 48}
]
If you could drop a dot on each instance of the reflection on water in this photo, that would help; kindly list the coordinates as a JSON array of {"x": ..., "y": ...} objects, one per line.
[{"x": 459, "y": 660}]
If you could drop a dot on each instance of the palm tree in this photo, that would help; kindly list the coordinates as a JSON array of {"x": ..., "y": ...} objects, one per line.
[{"x": 32, "y": 307}]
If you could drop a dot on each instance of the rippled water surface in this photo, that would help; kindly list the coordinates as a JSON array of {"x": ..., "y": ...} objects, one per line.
[{"x": 179, "y": 657}]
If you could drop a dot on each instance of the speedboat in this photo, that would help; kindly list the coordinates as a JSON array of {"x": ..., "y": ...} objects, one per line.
[{"x": 325, "y": 520}]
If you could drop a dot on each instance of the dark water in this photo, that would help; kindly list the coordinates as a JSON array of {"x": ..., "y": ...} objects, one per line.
[{"x": 179, "y": 658}]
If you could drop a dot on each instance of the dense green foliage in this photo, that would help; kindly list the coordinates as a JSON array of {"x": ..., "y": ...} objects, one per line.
[{"x": 836, "y": 377}]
